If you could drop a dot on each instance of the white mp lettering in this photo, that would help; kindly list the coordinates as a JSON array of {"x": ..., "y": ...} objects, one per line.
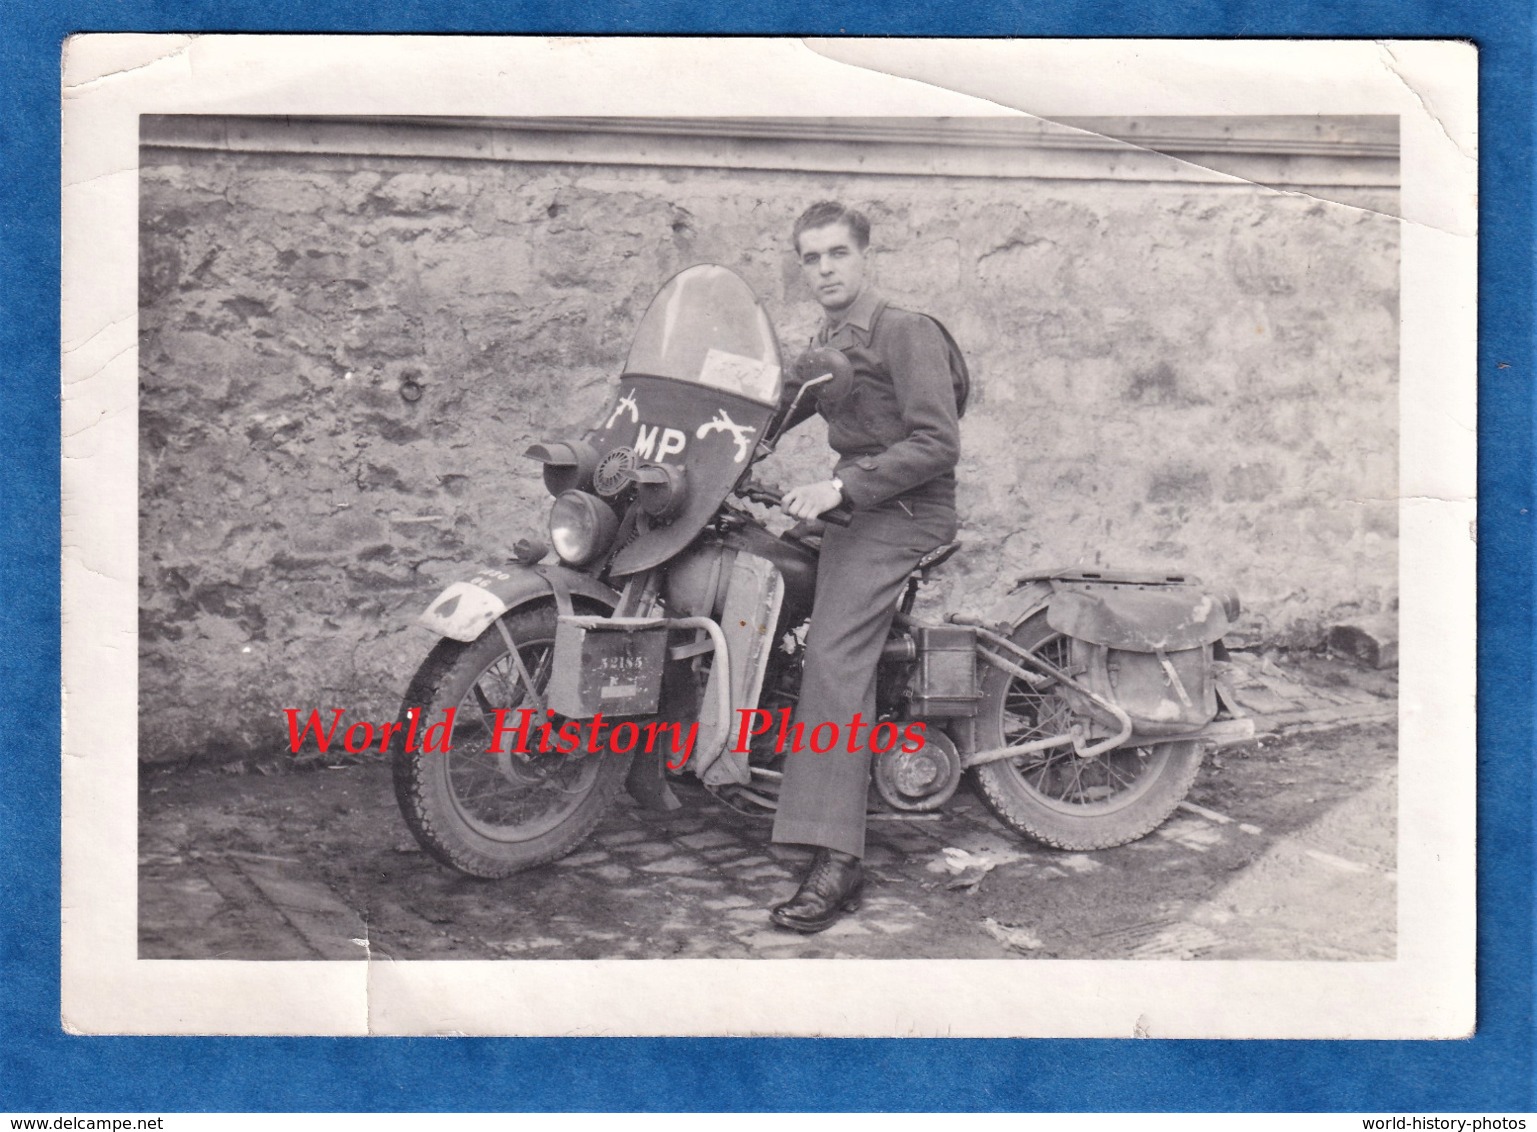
[
  {"x": 645, "y": 440},
  {"x": 672, "y": 443}
]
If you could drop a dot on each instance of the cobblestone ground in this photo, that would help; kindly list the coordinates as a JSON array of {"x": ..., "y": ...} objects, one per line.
[{"x": 1283, "y": 851}]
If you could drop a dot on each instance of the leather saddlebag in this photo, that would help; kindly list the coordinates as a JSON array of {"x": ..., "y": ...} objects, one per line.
[{"x": 1145, "y": 648}]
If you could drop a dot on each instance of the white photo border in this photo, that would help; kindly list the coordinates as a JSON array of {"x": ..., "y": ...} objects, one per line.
[{"x": 1427, "y": 991}]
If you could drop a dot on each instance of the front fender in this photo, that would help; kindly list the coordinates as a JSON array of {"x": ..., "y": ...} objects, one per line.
[{"x": 466, "y": 609}]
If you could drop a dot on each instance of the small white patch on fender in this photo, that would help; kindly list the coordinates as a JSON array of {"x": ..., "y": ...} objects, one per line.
[{"x": 462, "y": 611}]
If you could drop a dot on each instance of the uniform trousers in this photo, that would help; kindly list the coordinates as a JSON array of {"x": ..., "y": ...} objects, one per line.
[{"x": 860, "y": 575}]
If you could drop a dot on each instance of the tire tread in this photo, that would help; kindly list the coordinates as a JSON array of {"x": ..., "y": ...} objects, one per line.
[
  {"x": 413, "y": 790},
  {"x": 1005, "y": 797}
]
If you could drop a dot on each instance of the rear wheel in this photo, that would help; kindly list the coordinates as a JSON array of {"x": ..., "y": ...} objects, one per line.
[
  {"x": 1054, "y": 796},
  {"x": 493, "y": 813}
]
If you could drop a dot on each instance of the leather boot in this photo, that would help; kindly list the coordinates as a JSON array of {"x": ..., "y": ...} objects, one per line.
[{"x": 834, "y": 885}]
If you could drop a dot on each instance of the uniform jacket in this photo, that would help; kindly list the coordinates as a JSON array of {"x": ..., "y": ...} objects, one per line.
[{"x": 894, "y": 425}]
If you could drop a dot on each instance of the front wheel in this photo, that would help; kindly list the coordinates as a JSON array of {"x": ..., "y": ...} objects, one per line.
[
  {"x": 1054, "y": 796},
  {"x": 494, "y": 813}
]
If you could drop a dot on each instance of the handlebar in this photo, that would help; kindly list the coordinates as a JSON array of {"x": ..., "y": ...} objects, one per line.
[{"x": 757, "y": 493}]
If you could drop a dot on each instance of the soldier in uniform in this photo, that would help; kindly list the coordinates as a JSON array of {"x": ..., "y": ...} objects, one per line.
[{"x": 894, "y": 426}]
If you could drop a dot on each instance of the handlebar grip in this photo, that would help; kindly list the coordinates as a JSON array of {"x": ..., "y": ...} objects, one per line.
[
  {"x": 838, "y": 516},
  {"x": 761, "y": 495}
]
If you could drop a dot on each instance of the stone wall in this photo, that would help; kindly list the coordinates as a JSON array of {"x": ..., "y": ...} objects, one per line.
[{"x": 1201, "y": 375}]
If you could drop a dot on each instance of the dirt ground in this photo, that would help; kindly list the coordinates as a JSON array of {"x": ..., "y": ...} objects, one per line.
[{"x": 1283, "y": 851}]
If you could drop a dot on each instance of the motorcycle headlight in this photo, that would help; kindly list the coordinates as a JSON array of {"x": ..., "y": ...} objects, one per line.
[
  {"x": 582, "y": 527},
  {"x": 662, "y": 489}
]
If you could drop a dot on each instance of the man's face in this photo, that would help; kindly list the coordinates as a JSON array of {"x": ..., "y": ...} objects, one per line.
[{"x": 833, "y": 264}]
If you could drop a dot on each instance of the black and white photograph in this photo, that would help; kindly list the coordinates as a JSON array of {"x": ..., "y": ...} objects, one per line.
[{"x": 605, "y": 549}]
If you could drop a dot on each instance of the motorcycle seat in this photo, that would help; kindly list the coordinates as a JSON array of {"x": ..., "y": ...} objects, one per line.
[{"x": 936, "y": 558}]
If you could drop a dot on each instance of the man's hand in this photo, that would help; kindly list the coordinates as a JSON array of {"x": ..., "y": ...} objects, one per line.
[{"x": 811, "y": 499}]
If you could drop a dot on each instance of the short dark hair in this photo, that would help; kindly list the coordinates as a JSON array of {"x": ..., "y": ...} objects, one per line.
[{"x": 826, "y": 212}]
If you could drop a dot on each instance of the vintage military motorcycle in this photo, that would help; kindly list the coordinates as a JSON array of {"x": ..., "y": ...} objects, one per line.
[{"x": 665, "y": 639}]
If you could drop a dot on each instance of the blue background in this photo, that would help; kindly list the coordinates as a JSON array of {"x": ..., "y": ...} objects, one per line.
[{"x": 43, "y": 1069}]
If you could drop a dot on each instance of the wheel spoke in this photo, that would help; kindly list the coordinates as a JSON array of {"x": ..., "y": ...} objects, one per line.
[
  {"x": 1052, "y": 794},
  {"x": 1075, "y": 787},
  {"x": 542, "y": 786},
  {"x": 483, "y": 703},
  {"x": 1058, "y": 774},
  {"x": 478, "y": 759},
  {"x": 1107, "y": 773},
  {"x": 492, "y": 791}
]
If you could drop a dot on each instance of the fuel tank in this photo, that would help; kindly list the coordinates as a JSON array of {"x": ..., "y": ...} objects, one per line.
[{"x": 697, "y": 578}]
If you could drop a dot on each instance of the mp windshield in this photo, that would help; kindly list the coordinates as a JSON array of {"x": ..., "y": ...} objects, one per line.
[{"x": 707, "y": 328}]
